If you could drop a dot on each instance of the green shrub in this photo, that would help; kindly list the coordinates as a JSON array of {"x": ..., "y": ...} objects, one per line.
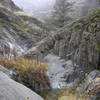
[
  {"x": 78, "y": 26},
  {"x": 20, "y": 27}
]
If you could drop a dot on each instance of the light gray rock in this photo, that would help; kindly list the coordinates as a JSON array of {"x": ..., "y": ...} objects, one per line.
[
  {"x": 8, "y": 72},
  {"x": 3, "y": 69},
  {"x": 11, "y": 90}
]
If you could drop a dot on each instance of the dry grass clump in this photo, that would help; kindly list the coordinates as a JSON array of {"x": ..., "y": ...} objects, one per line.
[
  {"x": 29, "y": 72},
  {"x": 65, "y": 94},
  {"x": 6, "y": 63},
  {"x": 22, "y": 64},
  {"x": 72, "y": 95}
]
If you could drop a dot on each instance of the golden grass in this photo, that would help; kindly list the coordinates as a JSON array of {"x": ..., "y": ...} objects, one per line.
[
  {"x": 65, "y": 94},
  {"x": 72, "y": 95},
  {"x": 22, "y": 64}
]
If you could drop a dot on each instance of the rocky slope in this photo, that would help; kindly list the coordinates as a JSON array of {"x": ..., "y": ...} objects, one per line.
[
  {"x": 18, "y": 32},
  {"x": 9, "y": 4},
  {"x": 71, "y": 51},
  {"x": 78, "y": 42}
]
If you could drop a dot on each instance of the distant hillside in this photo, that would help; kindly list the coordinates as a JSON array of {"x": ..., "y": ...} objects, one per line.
[{"x": 9, "y": 4}]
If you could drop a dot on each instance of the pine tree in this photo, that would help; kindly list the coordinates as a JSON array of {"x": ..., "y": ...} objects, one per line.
[{"x": 60, "y": 15}]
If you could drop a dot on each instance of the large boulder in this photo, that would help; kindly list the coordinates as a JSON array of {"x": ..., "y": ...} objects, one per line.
[{"x": 11, "y": 90}]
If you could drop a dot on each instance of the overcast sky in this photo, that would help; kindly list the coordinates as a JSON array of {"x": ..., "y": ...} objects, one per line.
[
  {"x": 37, "y": 7},
  {"x": 37, "y": 4},
  {"x": 34, "y": 4}
]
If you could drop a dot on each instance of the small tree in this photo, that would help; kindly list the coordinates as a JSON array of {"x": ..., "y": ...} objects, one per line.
[{"x": 60, "y": 15}]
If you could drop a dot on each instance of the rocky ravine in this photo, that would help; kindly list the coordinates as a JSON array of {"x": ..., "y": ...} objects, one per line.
[
  {"x": 78, "y": 42},
  {"x": 72, "y": 51}
]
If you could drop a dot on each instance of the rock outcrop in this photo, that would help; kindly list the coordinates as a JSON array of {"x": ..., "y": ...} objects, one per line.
[
  {"x": 11, "y": 90},
  {"x": 9, "y": 4},
  {"x": 78, "y": 42},
  {"x": 18, "y": 33}
]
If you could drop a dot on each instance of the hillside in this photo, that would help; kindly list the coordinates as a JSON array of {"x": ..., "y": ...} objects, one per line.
[
  {"x": 57, "y": 64},
  {"x": 77, "y": 42},
  {"x": 9, "y": 4},
  {"x": 18, "y": 32}
]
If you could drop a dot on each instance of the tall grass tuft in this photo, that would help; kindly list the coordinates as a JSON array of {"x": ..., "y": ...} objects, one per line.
[{"x": 29, "y": 72}]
